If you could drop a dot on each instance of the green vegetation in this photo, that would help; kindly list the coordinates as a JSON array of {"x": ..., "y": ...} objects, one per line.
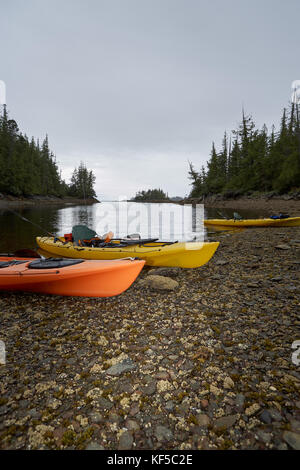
[
  {"x": 82, "y": 183},
  {"x": 253, "y": 160},
  {"x": 28, "y": 168},
  {"x": 151, "y": 195}
]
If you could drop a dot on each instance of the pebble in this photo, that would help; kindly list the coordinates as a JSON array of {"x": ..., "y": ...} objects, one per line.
[
  {"x": 96, "y": 417},
  {"x": 292, "y": 439},
  {"x": 125, "y": 441},
  {"x": 275, "y": 415},
  {"x": 266, "y": 417},
  {"x": 121, "y": 367},
  {"x": 163, "y": 433},
  {"x": 264, "y": 436},
  {"x": 160, "y": 283},
  {"x": 240, "y": 400},
  {"x": 94, "y": 446},
  {"x": 228, "y": 383},
  {"x": 170, "y": 405},
  {"x": 225, "y": 422},
  {"x": 150, "y": 389},
  {"x": 203, "y": 420}
]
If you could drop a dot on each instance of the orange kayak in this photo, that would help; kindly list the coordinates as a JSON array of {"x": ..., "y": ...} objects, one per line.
[{"x": 88, "y": 278}]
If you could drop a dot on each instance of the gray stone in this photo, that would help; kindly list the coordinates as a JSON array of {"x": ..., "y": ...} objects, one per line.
[
  {"x": 126, "y": 441},
  {"x": 150, "y": 388},
  {"x": 265, "y": 417},
  {"x": 94, "y": 446},
  {"x": 264, "y": 436},
  {"x": 187, "y": 365},
  {"x": 163, "y": 434},
  {"x": 132, "y": 425},
  {"x": 23, "y": 403},
  {"x": 295, "y": 425},
  {"x": 3, "y": 410},
  {"x": 282, "y": 247},
  {"x": 71, "y": 361},
  {"x": 121, "y": 367},
  {"x": 282, "y": 446},
  {"x": 225, "y": 422},
  {"x": 96, "y": 417},
  {"x": 240, "y": 400},
  {"x": 221, "y": 262},
  {"x": 114, "y": 418},
  {"x": 292, "y": 439},
  {"x": 170, "y": 405},
  {"x": 34, "y": 413},
  {"x": 276, "y": 416},
  {"x": 150, "y": 352},
  {"x": 168, "y": 332},
  {"x": 106, "y": 404},
  {"x": 160, "y": 283},
  {"x": 203, "y": 420}
]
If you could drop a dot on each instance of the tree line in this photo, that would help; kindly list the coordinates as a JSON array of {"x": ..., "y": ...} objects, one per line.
[
  {"x": 28, "y": 168},
  {"x": 151, "y": 195},
  {"x": 253, "y": 159}
]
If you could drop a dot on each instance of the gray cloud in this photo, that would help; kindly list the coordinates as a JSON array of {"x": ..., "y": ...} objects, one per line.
[{"x": 137, "y": 87}]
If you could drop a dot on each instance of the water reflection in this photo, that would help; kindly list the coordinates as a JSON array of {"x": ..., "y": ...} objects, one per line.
[
  {"x": 16, "y": 233},
  {"x": 164, "y": 221}
]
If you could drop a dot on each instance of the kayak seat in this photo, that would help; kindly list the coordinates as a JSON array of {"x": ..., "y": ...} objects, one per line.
[
  {"x": 280, "y": 216},
  {"x": 82, "y": 232},
  {"x": 53, "y": 263}
]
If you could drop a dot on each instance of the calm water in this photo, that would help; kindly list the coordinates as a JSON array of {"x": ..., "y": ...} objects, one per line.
[{"x": 163, "y": 221}]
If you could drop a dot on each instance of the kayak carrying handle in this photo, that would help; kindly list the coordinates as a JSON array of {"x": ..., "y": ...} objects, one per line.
[{"x": 27, "y": 273}]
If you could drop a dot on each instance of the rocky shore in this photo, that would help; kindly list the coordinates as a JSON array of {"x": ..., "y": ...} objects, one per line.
[
  {"x": 203, "y": 361},
  {"x": 272, "y": 203},
  {"x": 6, "y": 200}
]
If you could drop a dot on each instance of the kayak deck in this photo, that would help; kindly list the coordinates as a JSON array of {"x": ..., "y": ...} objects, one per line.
[
  {"x": 288, "y": 222},
  {"x": 80, "y": 278},
  {"x": 183, "y": 254}
]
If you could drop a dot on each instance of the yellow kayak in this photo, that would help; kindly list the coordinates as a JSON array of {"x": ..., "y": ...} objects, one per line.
[
  {"x": 288, "y": 222},
  {"x": 183, "y": 255}
]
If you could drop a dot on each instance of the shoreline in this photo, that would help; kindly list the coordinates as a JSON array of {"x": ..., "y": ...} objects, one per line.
[
  {"x": 272, "y": 205},
  {"x": 207, "y": 365},
  {"x": 8, "y": 201}
]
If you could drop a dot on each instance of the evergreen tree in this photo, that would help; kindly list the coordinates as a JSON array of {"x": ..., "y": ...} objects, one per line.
[
  {"x": 27, "y": 168},
  {"x": 82, "y": 183},
  {"x": 151, "y": 195},
  {"x": 256, "y": 161}
]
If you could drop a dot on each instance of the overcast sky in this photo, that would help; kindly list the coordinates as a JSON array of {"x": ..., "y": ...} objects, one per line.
[{"x": 136, "y": 88}]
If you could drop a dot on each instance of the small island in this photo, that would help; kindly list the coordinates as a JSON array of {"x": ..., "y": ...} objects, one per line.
[{"x": 154, "y": 195}]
